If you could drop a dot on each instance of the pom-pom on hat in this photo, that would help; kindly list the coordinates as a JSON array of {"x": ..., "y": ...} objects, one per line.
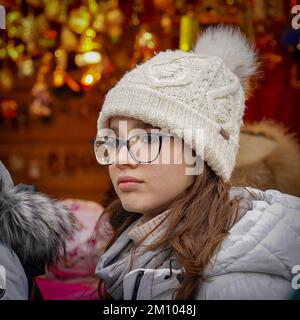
[{"x": 204, "y": 88}]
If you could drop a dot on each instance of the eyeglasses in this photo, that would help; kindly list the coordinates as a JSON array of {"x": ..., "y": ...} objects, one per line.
[{"x": 143, "y": 148}]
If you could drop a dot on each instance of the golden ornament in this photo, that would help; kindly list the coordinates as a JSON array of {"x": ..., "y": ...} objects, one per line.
[
  {"x": 91, "y": 57},
  {"x": 52, "y": 9},
  {"x": 91, "y": 76},
  {"x": 115, "y": 16},
  {"x": 58, "y": 78},
  {"x": 87, "y": 42},
  {"x": 14, "y": 24},
  {"x": 26, "y": 67},
  {"x": 115, "y": 32},
  {"x": 6, "y": 79},
  {"x": 79, "y": 20},
  {"x": 93, "y": 6},
  {"x": 68, "y": 39},
  {"x": 99, "y": 22},
  {"x": 188, "y": 31}
]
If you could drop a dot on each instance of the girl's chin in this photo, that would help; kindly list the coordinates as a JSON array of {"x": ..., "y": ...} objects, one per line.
[{"x": 131, "y": 207}]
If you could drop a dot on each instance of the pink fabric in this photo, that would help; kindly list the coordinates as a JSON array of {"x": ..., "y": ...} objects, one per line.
[
  {"x": 74, "y": 276},
  {"x": 74, "y": 289}
]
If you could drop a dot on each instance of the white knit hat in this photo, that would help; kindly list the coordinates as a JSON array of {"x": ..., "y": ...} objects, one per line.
[{"x": 204, "y": 88}]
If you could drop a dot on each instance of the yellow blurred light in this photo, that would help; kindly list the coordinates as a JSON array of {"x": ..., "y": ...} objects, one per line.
[
  {"x": 26, "y": 67},
  {"x": 13, "y": 16},
  {"x": 90, "y": 33},
  {"x": 99, "y": 22},
  {"x": 58, "y": 53},
  {"x": 90, "y": 78},
  {"x": 188, "y": 32},
  {"x": 147, "y": 35},
  {"x": 12, "y": 51},
  {"x": 87, "y": 45},
  {"x": 141, "y": 42},
  {"x": 2, "y": 53},
  {"x": 79, "y": 19},
  {"x": 20, "y": 48},
  {"x": 93, "y": 6},
  {"x": 185, "y": 47},
  {"x": 166, "y": 21},
  {"x": 115, "y": 16},
  {"x": 58, "y": 78},
  {"x": 87, "y": 58},
  {"x": 92, "y": 57},
  {"x": 150, "y": 45}
]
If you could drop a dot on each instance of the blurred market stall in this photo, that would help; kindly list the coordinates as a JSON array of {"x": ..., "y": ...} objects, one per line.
[{"x": 59, "y": 58}]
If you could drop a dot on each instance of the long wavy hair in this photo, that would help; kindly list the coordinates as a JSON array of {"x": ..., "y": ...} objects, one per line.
[{"x": 198, "y": 222}]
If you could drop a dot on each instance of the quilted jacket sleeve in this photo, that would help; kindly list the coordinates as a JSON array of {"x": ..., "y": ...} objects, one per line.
[
  {"x": 246, "y": 286},
  {"x": 16, "y": 285}
]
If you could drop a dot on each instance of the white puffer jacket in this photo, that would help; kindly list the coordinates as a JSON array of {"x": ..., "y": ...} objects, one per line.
[{"x": 258, "y": 260}]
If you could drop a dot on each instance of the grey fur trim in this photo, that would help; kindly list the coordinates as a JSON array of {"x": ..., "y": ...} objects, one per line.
[
  {"x": 32, "y": 224},
  {"x": 6, "y": 180}
]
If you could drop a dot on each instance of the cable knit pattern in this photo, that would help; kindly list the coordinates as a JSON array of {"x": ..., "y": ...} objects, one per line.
[{"x": 175, "y": 90}]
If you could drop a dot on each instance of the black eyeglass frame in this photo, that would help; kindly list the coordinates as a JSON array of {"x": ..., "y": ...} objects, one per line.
[{"x": 125, "y": 142}]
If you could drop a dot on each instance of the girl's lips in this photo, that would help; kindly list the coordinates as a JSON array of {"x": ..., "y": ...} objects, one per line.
[{"x": 129, "y": 185}]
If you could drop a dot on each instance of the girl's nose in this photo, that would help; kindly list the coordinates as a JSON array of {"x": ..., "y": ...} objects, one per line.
[{"x": 123, "y": 157}]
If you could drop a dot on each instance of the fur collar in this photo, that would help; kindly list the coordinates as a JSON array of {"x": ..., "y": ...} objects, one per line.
[{"x": 33, "y": 225}]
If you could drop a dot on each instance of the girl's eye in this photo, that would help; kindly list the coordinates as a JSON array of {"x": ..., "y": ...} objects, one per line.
[
  {"x": 147, "y": 138},
  {"x": 112, "y": 143},
  {"x": 109, "y": 142}
]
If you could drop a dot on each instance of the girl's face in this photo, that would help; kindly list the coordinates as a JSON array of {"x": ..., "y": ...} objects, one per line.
[{"x": 161, "y": 183}]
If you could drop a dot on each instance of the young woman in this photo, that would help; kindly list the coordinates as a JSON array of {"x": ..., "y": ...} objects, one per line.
[{"x": 181, "y": 233}]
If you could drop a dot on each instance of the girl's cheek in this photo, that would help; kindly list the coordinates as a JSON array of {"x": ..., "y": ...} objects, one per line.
[
  {"x": 111, "y": 172},
  {"x": 112, "y": 176}
]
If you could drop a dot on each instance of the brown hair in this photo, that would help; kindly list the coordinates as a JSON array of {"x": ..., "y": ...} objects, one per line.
[{"x": 198, "y": 222}]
